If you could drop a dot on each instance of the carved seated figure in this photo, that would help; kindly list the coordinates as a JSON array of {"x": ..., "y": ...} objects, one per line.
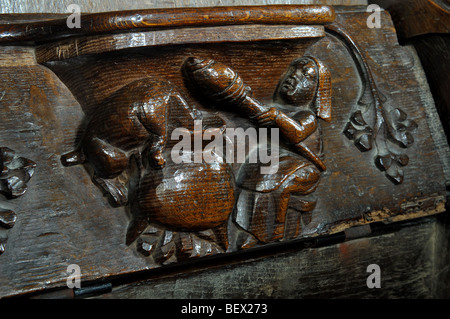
[{"x": 303, "y": 94}]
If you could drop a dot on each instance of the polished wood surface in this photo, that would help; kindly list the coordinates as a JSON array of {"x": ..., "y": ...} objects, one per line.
[
  {"x": 100, "y": 124},
  {"x": 426, "y": 26},
  {"x": 99, "y": 23},
  {"x": 22, "y": 7},
  {"x": 418, "y": 17}
]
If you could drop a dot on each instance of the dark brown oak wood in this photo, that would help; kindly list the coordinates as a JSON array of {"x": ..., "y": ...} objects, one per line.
[
  {"x": 85, "y": 119},
  {"x": 167, "y": 18},
  {"x": 413, "y": 262},
  {"x": 426, "y": 26},
  {"x": 22, "y": 7},
  {"x": 64, "y": 49},
  {"x": 418, "y": 17}
]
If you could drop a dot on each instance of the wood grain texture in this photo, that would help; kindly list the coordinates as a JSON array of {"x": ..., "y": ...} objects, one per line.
[
  {"x": 46, "y": 108},
  {"x": 418, "y": 17},
  {"x": 106, "y": 22},
  {"x": 64, "y": 49},
  {"x": 425, "y": 25},
  {"x": 412, "y": 260},
  {"x": 34, "y": 6}
]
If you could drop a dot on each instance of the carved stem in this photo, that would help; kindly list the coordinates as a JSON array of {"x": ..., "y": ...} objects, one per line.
[
  {"x": 392, "y": 122},
  {"x": 363, "y": 68}
]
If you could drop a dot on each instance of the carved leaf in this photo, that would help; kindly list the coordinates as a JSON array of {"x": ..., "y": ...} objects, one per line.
[
  {"x": 400, "y": 128},
  {"x": 358, "y": 118},
  {"x": 396, "y": 176},
  {"x": 384, "y": 162},
  {"x": 16, "y": 172},
  {"x": 358, "y": 131},
  {"x": 7, "y": 218},
  {"x": 167, "y": 246},
  {"x": 363, "y": 141}
]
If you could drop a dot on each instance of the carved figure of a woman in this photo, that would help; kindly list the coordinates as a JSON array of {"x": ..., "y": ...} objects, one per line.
[{"x": 304, "y": 95}]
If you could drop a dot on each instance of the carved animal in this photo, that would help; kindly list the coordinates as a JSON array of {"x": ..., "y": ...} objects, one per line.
[
  {"x": 133, "y": 120},
  {"x": 188, "y": 196}
]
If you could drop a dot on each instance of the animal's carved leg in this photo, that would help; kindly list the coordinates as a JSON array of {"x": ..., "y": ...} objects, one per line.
[
  {"x": 107, "y": 161},
  {"x": 116, "y": 191},
  {"x": 75, "y": 157},
  {"x": 221, "y": 236},
  {"x": 154, "y": 152}
]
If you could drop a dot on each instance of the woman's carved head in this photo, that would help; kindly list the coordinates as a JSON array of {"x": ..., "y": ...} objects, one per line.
[
  {"x": 298, "y": 86},
  {"x": 306, "y": 82}
]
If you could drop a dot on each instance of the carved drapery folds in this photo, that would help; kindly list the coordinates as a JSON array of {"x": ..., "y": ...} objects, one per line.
[{"x": 302, "y": 96}]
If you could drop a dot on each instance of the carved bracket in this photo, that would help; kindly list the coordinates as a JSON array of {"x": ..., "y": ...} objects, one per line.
[
  {"x": 209, "y": 131},
  {"x": 175, "y": 206},
  {"x": 163, "y": 136}
]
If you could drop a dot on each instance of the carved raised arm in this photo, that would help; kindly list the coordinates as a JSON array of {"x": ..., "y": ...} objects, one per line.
[{"x": 223, "y": 85}]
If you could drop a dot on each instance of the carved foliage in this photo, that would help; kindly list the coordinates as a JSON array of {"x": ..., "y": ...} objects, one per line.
[
  {"x": 375, "y": 124},
  {"x": 14, "y": 176},
  {"x": 16, "y": 172},
  {"x": 390, "y": 132},
  {"x": 181, "y": 210}
]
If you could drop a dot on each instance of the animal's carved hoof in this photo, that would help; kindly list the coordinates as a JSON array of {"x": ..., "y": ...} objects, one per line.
[{"x": 157, "y": 160}]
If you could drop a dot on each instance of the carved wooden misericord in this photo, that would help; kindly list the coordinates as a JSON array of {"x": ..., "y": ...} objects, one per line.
[{"x": 214, "y": 131}]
